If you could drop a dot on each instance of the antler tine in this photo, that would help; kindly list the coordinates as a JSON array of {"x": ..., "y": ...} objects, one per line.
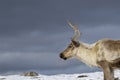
[{"x": 76, "y": 31}]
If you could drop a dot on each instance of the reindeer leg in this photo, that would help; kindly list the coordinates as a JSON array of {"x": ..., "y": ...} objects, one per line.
[
  {"x": 107, "y": 70},
  {"x": 116, "y": 79}
]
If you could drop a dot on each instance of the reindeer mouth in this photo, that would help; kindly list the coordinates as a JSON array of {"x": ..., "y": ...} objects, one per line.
[{"x": 64, "y": 58}]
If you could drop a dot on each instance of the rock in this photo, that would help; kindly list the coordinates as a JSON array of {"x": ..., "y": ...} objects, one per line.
[
  {"x": 81, "y": 76},
  {"x": 30, "y": 74}
]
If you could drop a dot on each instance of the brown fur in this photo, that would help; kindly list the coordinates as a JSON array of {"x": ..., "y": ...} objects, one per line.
[
  {"x": 107, "y": 69},
  {"x": 112, "y": 45},
  {"x": 116, "y": 64}
]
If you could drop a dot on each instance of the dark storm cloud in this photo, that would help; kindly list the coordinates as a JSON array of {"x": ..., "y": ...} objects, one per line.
[
  {"x": 34, "y": 32},
  {"x": 21, "y": 16}
]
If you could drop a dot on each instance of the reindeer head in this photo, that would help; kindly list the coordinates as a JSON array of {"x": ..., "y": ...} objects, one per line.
[{"x": 70, "y": 51}]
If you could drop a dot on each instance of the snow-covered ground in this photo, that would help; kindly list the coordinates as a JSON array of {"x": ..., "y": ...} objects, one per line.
[{"x": 83, "y": 76}]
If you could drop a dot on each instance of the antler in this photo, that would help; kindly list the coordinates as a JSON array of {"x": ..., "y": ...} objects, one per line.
[{"x": 76, "y": 32}]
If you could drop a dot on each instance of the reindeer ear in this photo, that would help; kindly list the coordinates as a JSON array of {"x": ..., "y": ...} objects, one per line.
[{"x": 76, "y": 44}]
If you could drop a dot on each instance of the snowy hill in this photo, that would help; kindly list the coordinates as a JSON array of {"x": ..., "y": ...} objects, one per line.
[{"x": 83, "y": 76}]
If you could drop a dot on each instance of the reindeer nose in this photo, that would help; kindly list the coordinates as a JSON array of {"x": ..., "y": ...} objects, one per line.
[{"x": 62, "y": 56}]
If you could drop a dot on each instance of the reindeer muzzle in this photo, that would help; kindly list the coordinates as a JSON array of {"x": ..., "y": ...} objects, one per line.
[{"x": 62, "y": 56}]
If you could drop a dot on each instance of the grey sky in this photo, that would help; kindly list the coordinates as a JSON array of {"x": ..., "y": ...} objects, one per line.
[{"x": 34, "y": 32}]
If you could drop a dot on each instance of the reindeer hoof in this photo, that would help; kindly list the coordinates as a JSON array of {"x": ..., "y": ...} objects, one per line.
[{"x": 116, "y": 79}]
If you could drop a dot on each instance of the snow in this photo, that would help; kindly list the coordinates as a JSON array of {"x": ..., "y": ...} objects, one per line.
[{"x": 82, "y": 76}]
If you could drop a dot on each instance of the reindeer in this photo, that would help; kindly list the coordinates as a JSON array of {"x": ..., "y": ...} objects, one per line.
[{"x": 104, "y": 53}]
